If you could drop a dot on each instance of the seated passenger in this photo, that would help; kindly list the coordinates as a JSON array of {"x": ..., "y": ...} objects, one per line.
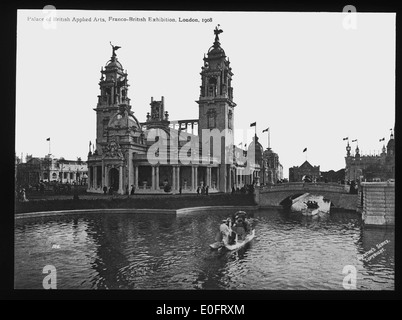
[
  {"x": 247, "y": 225},
  {"x": 239, "y": 229},
  {"x": 224, "y": 230}
]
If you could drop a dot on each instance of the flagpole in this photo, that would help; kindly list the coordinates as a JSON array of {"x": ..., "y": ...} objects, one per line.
[{"x": 269, "y": 146}]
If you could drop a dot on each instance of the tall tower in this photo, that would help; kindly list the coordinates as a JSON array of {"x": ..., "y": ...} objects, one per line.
[
  {"x": 113, "y": 96},
  {"x": 348, "y": 148},
  {"x": 118, "y": 133},
  {"x": 216, "y": 106}
]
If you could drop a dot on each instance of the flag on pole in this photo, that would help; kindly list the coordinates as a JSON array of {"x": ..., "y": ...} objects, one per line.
[
  {"x": 265, "y": 130},
  {"x": 347, "y": 138},
  {"x": 305, "y": 149},
  {"x": 382, "y": 139},
  {"x": 354, "y": 140},
  {"x": 48, "y": 139},
  {"x": 240, "y": 143},
  {"x": 253, "y": 124}
]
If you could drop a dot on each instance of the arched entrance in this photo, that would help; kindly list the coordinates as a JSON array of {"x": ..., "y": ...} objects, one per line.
[{"x": 114, "y": 179}]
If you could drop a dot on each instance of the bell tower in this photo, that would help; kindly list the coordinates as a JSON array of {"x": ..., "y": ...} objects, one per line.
[
  {"x": 216, "y": 106},
  {"x": 113, "y": 96}
]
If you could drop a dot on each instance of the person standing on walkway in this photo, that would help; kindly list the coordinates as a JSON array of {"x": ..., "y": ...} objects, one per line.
[
  {"x": 132, "y": 189},
  {"x": 206, "y": 190},
  {"x": 104, "y": 190}
]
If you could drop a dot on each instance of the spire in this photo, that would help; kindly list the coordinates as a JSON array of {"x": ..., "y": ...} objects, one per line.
[{"x": 357, "y": 151}]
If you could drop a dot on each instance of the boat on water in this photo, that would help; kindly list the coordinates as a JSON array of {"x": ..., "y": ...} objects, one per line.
[
  {"x": 310, "y": 204},
  {"x": 239, "y": 243},
  {"x": 236, "y": 245},
  {"x": 226, "y": 233}
]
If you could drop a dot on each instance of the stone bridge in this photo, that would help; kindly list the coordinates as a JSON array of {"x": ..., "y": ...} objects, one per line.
[{"x": 275, "y": 195}]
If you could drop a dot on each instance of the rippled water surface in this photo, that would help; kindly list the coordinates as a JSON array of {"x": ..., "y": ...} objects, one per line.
[{"x": 137, "y": 251}]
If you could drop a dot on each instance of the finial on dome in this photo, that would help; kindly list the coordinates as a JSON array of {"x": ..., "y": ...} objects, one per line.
[
  {"x": 114, "y": 48},
  {"x": 217, "y": 31}
]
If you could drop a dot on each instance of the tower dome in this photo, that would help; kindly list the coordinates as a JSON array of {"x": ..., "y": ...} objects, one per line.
[
  {"x": 257, "y": 148},
  {"x": 216, "y": 52},
  {"x": 391, "y": 145},
  {"x": 124, "y": 119},
  {"x": 113, "y": 62}
]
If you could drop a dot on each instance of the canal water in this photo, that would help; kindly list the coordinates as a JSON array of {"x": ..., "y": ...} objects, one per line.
[{"x": 138, "y": 251}]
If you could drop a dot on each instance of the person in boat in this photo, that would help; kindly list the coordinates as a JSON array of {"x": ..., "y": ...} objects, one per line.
[
  {"x": 239, "y": 229},
  {"x": 224, "y": 230},
  {"x": 245, "y": 220},
  {"x": 247, "y": 225}
]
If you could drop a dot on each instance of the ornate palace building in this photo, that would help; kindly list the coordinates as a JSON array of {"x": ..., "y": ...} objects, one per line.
[
  {"x": 183, "y": 154},
  {"x": 296, "y": 174},
  {"x": 49, "y": 169},
  {"x": 371, "y": 167},
  {"x": 272, "y": 169}
]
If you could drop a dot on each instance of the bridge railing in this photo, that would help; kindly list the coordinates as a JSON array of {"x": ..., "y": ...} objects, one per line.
[{"x": 306, "y": 186}]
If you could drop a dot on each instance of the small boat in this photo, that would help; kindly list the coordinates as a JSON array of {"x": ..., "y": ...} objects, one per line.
[
  {"x": 310, "y": 205},
  {"x": 226, "y": 230},
  {"x": 237, "y": 245}
]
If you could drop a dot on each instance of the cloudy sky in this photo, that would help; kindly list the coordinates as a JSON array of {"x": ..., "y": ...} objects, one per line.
[{"x": 304, "y": 75}]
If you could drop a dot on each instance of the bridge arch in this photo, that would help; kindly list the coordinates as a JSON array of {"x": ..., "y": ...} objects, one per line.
[
  {"x": 287, "y": 201},
  {"x": 276, "y": 195}
]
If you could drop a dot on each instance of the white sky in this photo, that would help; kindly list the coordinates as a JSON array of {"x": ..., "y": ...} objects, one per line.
[{"x": 304, "y": 75}]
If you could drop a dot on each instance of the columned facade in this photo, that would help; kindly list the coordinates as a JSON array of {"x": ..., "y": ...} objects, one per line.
[{"x": 120, "y": 157}]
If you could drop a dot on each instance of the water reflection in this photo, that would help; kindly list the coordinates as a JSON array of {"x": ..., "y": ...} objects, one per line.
[{"x": 121, "y": 251}]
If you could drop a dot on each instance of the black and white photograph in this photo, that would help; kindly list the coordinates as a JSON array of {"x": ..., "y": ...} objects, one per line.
[{"x": 205, "y": 150}]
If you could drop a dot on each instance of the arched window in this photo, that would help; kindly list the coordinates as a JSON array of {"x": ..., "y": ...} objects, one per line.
[
  {"x": 211, "y": 116},
  {"x": 230, "y": 119}
]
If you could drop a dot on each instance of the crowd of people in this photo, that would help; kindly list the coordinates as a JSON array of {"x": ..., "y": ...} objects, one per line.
[
  {"x": 202, "y": 190},
  {"x": 245, "y": 189},
  {"x": 236, "y": 227}
]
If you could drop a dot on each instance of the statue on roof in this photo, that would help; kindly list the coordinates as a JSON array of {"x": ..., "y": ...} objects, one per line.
[
  {"x": 217, "y": 31},
  {"x": 114, "y": 48}
]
